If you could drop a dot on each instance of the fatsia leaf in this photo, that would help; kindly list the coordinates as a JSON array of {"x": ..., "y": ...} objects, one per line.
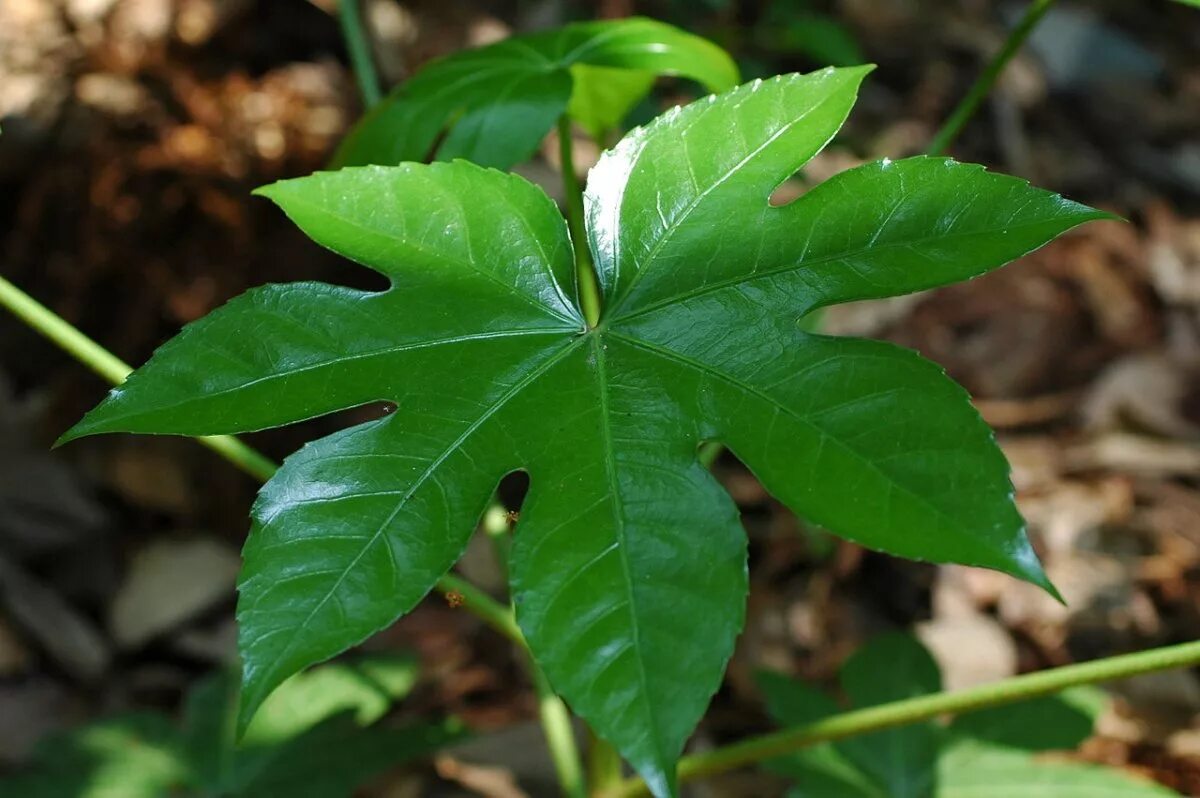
[
  {"x": 496, "y": 103},
  {"x": 628, "y": 563}
]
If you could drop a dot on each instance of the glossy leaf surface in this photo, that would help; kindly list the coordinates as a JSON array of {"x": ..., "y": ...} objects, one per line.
[
  {"x": 495, "y": 104},
  {"x": 628, "y": 563},
  {"x": 984, "y": 754}
]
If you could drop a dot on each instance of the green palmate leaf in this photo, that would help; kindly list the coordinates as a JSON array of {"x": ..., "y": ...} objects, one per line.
[
  {"x": 495, "y": 104},
  {"x": 628, "y": 563}
]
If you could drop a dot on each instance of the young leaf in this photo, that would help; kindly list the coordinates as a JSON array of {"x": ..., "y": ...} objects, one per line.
[
  {"x": 628, "y": 564},
  {"x": 498, "y": 102}
]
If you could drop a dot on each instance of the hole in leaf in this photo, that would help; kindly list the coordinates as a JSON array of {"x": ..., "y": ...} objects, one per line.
[
  {"x": 788, "y": 191},
  {"x": 513, "y": 489}
]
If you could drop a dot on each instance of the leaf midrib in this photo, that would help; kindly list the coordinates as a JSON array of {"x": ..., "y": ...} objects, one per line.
[{"x": 622, "y": 546}]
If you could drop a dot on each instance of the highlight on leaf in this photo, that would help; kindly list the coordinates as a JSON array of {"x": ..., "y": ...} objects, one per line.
[{"x": 628, "y": 564}]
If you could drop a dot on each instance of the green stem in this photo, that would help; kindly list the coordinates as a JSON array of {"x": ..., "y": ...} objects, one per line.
[
  {"x": 495, "y": 526},
  {"x": 912, "y": 710},
  {"x": 552, "y": 712},
  {"x": 358, "y": 44},
  {"x": 488, "y": 610},
  {"x": 585, "y": 271},
  {"x": 560, "y": 736},
  {"x": 983, "y": 85},
  {"x": 709, "y": 453},
  {"x": 604, "y": 765},
  {"x": 114, "y": 370}
]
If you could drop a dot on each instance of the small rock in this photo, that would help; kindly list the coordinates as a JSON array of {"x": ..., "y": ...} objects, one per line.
[
  {"x": 1079, "y": 50},
  {"x": 14, "y": 656},
  {"x": 970, "y": 649},
  {"x": 169, "y": 582},
  {"x": 28, "y": 711},
  {"x": 1173, "y": 691},
  {"x": 66, "y": 636},
  {"x": 215, "y": 644}
]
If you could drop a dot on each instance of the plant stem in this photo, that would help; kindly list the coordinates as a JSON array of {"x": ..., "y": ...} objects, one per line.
[
  {"x": 560, "y": 736},
  {"x": 113, "y": 369},
  {"x": 585, "y": 270},
  {"x": 552, "y": 712},
  {"x": 495, "y": 526},
  {"x": 604, "y": 765},
  {"x": 358, "y": 45},
  {"x": 486, "y": 608},
  {"x": 983, "y": 85},
  {"x": 912, "y": 710}
]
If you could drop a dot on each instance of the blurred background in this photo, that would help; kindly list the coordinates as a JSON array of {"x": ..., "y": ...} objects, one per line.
[{"x": 134, "y": 130}]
